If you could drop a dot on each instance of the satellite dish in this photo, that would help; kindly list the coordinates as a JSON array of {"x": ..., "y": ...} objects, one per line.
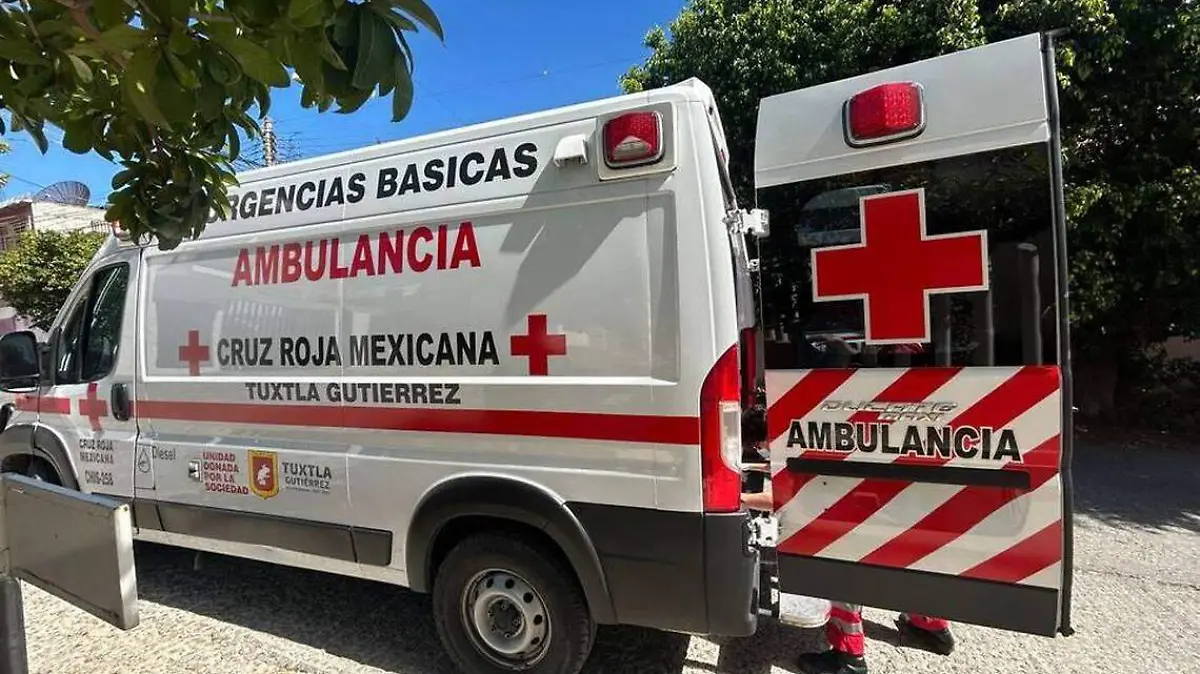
[{"x": 69, "y": 192}]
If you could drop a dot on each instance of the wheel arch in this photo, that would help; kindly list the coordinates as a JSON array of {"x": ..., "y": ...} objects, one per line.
[
  {"x": 509, "y": 499},
  {"x": 35, "y": 440}
]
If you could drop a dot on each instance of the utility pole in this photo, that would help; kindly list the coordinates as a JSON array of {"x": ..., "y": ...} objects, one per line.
[{"x": 268, "y": 134}]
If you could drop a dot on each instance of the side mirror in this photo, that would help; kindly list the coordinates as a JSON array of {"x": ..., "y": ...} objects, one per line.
[{"x": 20, "y": 361}]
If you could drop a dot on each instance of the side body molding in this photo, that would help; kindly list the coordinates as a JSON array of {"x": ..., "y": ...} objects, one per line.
[{"x": 507, "y": 499}]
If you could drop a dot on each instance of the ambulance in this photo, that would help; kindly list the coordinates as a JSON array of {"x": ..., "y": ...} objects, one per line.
[{"x": 506, "y": 364}]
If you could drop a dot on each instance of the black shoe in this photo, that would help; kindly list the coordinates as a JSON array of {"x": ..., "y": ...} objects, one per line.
[
  {"x": 832, "y": 662},
  {"x": 940, "y": 641}
]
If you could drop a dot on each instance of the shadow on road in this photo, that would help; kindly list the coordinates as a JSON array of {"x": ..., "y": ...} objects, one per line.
[
  {"x": 1146, "y": 486},
  {"x": 392, "y": 629}
]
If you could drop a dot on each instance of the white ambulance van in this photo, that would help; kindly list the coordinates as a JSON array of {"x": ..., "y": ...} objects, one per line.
[{"x": 506, "y": 365}]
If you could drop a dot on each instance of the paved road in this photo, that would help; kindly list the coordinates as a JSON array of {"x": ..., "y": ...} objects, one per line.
[{"x": 1137, "y": 597}]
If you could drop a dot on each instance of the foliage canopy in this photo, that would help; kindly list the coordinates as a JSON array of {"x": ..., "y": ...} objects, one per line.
[
  {"x": 1130, "y": 95},
  {"x": 165, "y": 86},
  {"x": 37, "y": 274}
]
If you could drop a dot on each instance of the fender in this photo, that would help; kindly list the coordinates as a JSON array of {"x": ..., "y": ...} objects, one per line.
[
  {"x": 37, "y": 440},
  {"x": 510, "y": 499}
]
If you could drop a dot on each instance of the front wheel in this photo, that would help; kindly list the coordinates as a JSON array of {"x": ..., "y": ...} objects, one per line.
[
  {"x": 41, "y": 470},
  {"x": 502, "y": 604}
]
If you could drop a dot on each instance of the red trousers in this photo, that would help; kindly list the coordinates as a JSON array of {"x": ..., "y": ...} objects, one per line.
[{"x": 845, "y": 628}]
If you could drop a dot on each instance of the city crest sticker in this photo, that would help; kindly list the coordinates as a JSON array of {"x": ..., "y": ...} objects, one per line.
[{"x": 264, "y": 473}]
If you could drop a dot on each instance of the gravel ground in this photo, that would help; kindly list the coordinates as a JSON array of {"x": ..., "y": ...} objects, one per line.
[{"x": 1137, "y": 595}]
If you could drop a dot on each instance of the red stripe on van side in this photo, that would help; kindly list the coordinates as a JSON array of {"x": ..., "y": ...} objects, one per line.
[
  {"x": 44, "y": 404},
  {"x": 668, "y": 430}
]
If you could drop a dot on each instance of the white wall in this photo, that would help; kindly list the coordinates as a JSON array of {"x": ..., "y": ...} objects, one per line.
[{"x": 61, "y": 217}]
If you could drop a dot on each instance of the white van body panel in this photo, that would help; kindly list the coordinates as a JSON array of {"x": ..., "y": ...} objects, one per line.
[
  {"x": 800, "y": 134},
  {"x": 601, "y": 260}
]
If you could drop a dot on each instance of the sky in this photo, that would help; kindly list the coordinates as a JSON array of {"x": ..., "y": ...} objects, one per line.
[{"x": 499, "y": 59}]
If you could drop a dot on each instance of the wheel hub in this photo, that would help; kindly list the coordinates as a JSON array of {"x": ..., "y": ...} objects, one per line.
[{"x": 506, "y": 618}]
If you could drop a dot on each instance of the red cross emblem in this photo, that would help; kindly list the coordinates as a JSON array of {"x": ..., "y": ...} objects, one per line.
[
  {"x": 538, "y": 345},
  {"x": 93, "y": 407},
  {"x": 193, "y": 353},
  {"x": 897, "y": 266}
]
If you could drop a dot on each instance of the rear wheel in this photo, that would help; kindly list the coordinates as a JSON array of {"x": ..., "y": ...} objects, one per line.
[{"x": 503, "y": 604}]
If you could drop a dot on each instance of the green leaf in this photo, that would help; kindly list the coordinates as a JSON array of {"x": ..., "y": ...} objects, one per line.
[
  {"x": 180, "y": 11},
  {"x": 186, "y": 77},
  {"x": 51, "y": 28},
  {"x": 258, "y": 63},
  {"x": 78, "y": 138},
  {"x": 177, "y": 103},
  {"x": 235, "y": 144},
  {"x": 88, "y": 49},
  {"x": 375, "y": 50},
  {"x": 123, "y": 178},
  {"x": 82, "y": 71},
  {"x": 138, "y": 82},
  {"x": 110, "y": 13},
  {"x": 384, "y": 9},
  {"x": 345, "y": 26},
  {"x": 20, "y": 50},
  {"x": 402, "y": 98},
  {"x": 399, "y": 24},
  {"x": 306, "y": 13},
  {"x": 122, "y": 38},
  {"x": 353, "y": 101},
  {"x": 387, "y": 79},
  {"x": 211, "y": 101},
  {"x": 222, "y": 67},
  {"x": 420, "y": 11},
  {"x": 309, "y": 66},
  {"x": 326, "y": 51},
  {"x": 179, "y": 42},
  {"x": 263, "y": 96},
  {"x": 18, "y": 122}
]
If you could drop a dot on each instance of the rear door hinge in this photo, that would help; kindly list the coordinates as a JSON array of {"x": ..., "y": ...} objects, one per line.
[{"x": 754, "y": 221}]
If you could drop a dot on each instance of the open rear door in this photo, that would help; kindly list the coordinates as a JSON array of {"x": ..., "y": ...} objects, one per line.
[{"x": 918, "y": 381}]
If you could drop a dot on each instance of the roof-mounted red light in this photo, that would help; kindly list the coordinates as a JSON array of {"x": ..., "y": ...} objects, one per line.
[
  {"x": 884, "y": 113},
  {"x": 633, "y": 139}
]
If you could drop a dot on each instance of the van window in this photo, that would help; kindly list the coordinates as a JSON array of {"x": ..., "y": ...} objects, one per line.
[
  {"x": 87, "y": 346},
  {"x": 1004, "y": 192}
]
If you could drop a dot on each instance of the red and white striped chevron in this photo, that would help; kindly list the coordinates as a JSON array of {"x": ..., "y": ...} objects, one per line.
[{"x": 1003, "y": 534}]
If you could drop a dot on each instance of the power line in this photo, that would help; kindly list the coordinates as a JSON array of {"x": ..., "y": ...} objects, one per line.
[{"x": 27, "y": 182}]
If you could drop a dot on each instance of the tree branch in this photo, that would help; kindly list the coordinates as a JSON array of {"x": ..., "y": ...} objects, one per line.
[{"x": 79, "y": 12}]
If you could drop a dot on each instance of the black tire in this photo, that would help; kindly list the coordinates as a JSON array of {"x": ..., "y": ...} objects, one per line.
[
  {"x": 39, "y": 469},
  {"x": 571, "y": 628}
]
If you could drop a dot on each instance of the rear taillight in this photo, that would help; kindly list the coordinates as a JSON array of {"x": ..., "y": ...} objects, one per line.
[
  {"x": 721, "y": 435},
  {"x": 633, "y": 139},
  {"x": 884, "y": 113}
]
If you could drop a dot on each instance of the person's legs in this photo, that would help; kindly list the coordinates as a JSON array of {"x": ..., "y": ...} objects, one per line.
[
  {"x": 844, "y": 631},
  {"x": 926, "y": 632},
  {"x": 847, "y": 645}
]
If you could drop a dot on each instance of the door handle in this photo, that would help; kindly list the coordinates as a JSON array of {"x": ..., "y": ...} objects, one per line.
[{"x": 119, "y": 399}]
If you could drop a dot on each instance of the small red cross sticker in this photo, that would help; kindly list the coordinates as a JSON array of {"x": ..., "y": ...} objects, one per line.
[
  {"x": 93, "y": 407},
  {"x": 897, "y": 266},
  {"x": 193, "y": 353},
  {"x": 538, "y": 345}
]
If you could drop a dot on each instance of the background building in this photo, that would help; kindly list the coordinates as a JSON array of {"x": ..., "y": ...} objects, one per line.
[{"x": 59, "y": 207}]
